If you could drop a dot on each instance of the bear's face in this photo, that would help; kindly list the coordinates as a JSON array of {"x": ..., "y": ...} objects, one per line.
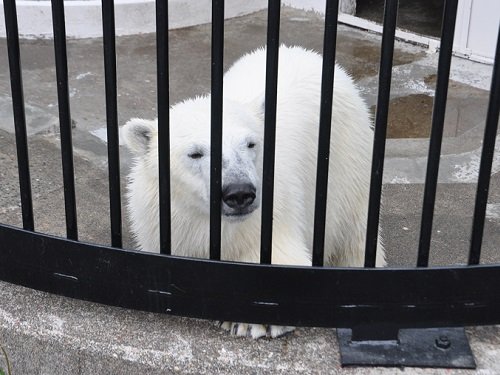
[{"x": 190, "y": 156}]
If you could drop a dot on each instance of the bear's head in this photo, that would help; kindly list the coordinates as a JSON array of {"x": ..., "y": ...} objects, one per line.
[{"x": 190, "y": 157}]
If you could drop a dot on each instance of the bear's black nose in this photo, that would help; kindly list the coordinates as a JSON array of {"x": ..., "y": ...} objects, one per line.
[{"x": 238, "y": 196}]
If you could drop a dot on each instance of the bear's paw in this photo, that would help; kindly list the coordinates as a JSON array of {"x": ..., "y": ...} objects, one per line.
[{"x": 255, "y": 331}]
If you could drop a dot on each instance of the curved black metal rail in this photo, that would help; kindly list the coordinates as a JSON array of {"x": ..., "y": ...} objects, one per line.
[{"x": 304, "y": 296}]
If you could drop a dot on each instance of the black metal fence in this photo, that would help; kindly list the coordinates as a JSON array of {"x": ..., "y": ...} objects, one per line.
[{"x": 390, "y": 299}]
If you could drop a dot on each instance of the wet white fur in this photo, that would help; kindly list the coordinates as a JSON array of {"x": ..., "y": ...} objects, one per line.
[
  {"x": 298, "y": 108},
  {"x": 296, "y": 147}
]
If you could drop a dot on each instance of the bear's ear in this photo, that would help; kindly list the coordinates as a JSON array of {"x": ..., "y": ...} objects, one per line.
[
  {"x": 137, "y": 133},
  {"x": 258, "y": 105}
]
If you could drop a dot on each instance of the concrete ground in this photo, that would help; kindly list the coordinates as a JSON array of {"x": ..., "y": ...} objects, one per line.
[{"x": 88, "y": 338}]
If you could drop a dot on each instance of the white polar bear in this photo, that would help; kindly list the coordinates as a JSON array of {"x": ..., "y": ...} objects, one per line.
[{"x": 297, "y": 120}]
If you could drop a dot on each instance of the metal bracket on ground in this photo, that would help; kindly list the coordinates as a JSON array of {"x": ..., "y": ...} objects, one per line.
[{"x": 429, "y": 347}]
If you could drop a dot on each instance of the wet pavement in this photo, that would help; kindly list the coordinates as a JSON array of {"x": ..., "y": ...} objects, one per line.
[{"x": 409, "y": 123}]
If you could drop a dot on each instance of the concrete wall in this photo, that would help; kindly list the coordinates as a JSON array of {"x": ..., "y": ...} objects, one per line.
[
  {"x": 83, "y": 17},
  {"x": 346, "y": 6}
]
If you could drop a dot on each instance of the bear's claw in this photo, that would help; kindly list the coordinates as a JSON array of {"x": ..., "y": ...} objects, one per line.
[{"x": 254, "y": 331}]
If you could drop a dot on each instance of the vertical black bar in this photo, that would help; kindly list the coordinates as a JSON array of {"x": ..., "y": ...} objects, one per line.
[
  {"x": 487, "y": 153},
  {"x": 64, "y": 118},
  {"x": 443, "y": 73},
  {"x": 16, "y": 83},
  {"x": 384, "y": 91},
  {"x": 216, "y": 128},
  {"x": 108, "y": 25},
  {"x": 325, "y": 125},
  {"x": 273, "y": 28},
  {"x": 163, "y": 124}
]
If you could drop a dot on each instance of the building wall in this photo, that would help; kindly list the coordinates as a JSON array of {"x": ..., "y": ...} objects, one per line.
[{"x": 346, "y": 6}]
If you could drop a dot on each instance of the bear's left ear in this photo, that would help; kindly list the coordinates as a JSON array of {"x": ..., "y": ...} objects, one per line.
[{"x": 137, "y": 133}]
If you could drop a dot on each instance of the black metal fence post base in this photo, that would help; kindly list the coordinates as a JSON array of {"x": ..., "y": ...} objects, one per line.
[{"x": 430, "y": 347}]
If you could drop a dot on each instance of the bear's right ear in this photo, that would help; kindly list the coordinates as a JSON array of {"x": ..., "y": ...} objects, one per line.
[
  {"x": 137, "y": 133},
  {"x": 258, "y": 105}
]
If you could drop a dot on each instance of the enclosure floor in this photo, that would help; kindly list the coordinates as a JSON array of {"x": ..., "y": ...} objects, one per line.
[{"x": 409, "y": 121}]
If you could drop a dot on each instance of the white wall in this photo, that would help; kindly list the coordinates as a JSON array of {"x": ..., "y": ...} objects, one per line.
[
  {"x": 83, "y": 17},
  {"x": 345, "y": 6}
]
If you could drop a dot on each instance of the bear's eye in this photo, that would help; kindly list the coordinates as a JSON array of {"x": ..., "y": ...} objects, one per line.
[
  {"x": 196, "y": 155},
  {"x": 250, "y": 144}
]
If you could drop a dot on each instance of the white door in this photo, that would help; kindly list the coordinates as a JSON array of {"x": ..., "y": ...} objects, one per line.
[{"x": 477, "y": 29}]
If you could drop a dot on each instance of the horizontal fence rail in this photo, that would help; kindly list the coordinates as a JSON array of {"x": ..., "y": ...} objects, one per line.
[{"x": 303, "y": 296}]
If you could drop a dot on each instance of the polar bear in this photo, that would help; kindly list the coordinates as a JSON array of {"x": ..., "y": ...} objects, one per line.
[{"x": 297, "y": 120}]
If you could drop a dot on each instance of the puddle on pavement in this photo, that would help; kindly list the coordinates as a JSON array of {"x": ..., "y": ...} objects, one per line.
[
  {"x": 361, "y": 57},
  {"x": 409, "y": 116}
]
